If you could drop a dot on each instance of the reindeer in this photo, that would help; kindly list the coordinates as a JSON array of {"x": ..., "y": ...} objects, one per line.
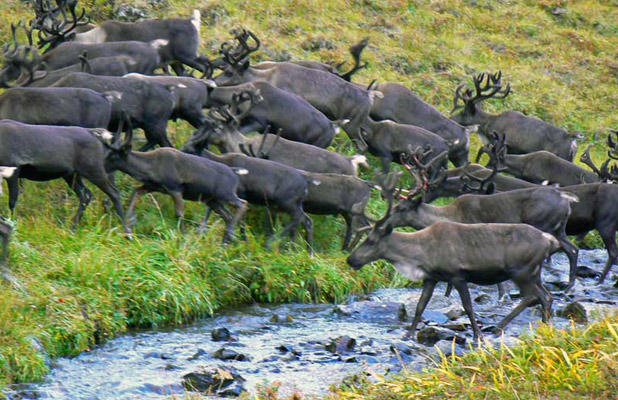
[
  {"x": 355, "y": 52},
  {"x": 43, "y": 153},
  {"x": 271, "y": 184},
  {"x": 56, "y": 106},
  {"x": 268, "y": 105},
  {"x": 401, "y": 105},
  {"x": 182, "y": 176},
  {"x": 459, "y": 254},
  {"x": 5, "y": 229},
  {"x": 388, "y": 140},
  {"x": 543, "y": 207},
  {"x": 222, "y": 131},
  {"x": 336, "y": 98},
  {"x": 177, "y": 39},
  {"x": 335, "y": 194},
  {"x": 190, "y": 95},
  {"x": 537, "y": 167},
  {"x": 523, "y": 134},
  {"x": 148, "y": 104}
]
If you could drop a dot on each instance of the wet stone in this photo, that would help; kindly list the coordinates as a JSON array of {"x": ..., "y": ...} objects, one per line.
[
  {"x": 574, "y": 311},
  {"x": 228, "y": 354},
  {"x": 435, "y": 316},
  {"x": 221, "y": 334},
  {"x": 341, "y": 344},
  {"x": 374, "y": 311},
  {"x": 453, "y": 313},
  {"x": 431, "y": 335},
  {"x": 288, "y": 349},
  {"x": 198, "y": 354},
  {"x": 213, "y": 380},
  {"x": 154, "y": 354},
  {"x": 446, "y": 348},
  {"x": 587, "y": 272},
  {"x": 402, "y": 348},
  {"x": 482, "y": 299}
]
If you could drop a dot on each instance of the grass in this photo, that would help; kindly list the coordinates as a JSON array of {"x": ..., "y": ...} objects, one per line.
[{"x": 79, "y": 288}]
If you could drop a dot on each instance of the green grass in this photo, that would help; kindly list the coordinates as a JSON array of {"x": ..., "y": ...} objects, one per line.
[{"x": 81, "y": 288}]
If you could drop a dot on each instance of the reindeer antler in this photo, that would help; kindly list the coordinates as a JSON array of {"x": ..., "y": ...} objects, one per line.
[
  {"x": 423, "y": 174},
  {"x": 356, "y": 51},
  {"x": 235, "y": 54},
  {"x": 53, "y": 30},
  {"x": 486, "y": 86}
]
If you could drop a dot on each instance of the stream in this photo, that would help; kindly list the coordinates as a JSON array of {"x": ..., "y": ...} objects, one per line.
[{"x": 306, "y": 347}]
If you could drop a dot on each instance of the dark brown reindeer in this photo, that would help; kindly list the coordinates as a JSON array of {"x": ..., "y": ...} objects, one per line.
[
  {"x": 177, "y": 39},
  {"x": 540, "y": 167},
  {"x": 337, "y": 99},
  {"x": 43, "y": 153},
  {"x": 273, "y": 185},
  {"x": 223, "y": 132},
  {"x": 401, "y": 105},
  {"x": 180, "y": 175},
  {"x": 524, "y": 134},
  {"x": 459, "y": 254},
  {"x": 543, "y": 207},
  {"x": 280, "y": 109}
]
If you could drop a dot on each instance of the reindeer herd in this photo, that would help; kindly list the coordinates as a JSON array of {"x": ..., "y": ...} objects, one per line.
[{"x": 78, "y": 83}]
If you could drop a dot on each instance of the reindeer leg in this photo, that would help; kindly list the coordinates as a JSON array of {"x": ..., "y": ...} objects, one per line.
[
  {"x": 572, "y": 252},
  {"x": 130, "y": 216},
  {"x": 13, "y": 188},
  {"x": 103, "y": 182},
  {"x": 308, "y": 224},
  {"x": 466, "y": 301},
  {"x": 179, "y": 209},
  {"x": 608, "y": 234},
  {"x": 85, "y": 196},
  {"x": 204, "y": 224},
  {"x": 349, "y": 222},
  {"x": 428, "y": 287},
  {"x": 5, "y": 233}
]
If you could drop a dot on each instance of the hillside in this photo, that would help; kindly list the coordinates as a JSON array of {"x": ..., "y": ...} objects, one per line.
[{"x": 78, "y": 288}]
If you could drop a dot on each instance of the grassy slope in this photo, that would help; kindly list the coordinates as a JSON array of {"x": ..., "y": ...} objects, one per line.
[{"x": 80, "y": 288}]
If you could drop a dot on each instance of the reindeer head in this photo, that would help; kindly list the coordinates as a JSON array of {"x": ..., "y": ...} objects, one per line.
[
  {"x": 52, "y": 30},
  {"x": 373, "y": 246},
  {"x": 606, "y": 172},
  {"x": 235, "y": 57},
  {"x": 118, "y": 151},
  {"x": 19, "y": 60},
  {"x": 486, "y": 86}
]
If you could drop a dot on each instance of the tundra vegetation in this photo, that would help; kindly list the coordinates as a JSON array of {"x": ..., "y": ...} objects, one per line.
[{"x": 78, "y": 288}]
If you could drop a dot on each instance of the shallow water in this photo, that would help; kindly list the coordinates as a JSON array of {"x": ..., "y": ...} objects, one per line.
[{"x": 151, "y": 364}]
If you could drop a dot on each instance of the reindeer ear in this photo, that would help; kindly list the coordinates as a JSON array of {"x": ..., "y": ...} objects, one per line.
[
  {"x": 388, "y": 229},
  {"x": 245, "y": 66}
]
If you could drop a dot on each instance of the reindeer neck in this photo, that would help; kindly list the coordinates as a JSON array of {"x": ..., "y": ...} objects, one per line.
[
  {"x": 481, "y": 117},
  {"x": 404, "y": 248},
  {"x": 515, "y": 163},
  {"x": 424, "y": 215},
  {"x": 139, "y": 165}
]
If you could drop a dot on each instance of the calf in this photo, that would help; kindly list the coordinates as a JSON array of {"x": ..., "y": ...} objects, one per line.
[
  {"x": 388, "y": 140},
  {"x": 182, "y": 176},
  {"x": 271, "y": 184}
]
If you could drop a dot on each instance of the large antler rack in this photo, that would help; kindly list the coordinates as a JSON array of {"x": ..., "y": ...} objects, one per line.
[
  {"x": 235, "y": 54},
  {"x": 496, "y": 150},
  {"x": 606, "y": 172},
  {"x": 53, "y": 30},
  {"x": 486, "y": 85},
  {"x": 424, "y": 175}
]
